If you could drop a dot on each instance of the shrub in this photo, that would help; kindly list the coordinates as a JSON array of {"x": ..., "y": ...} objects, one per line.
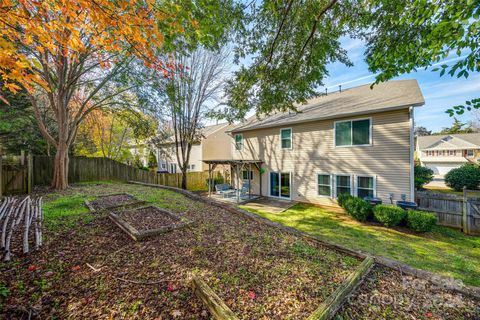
[
  {"x": 422, "y": 176},
  {"x": 358, "y": 208},
  {"x": 342, "y": 197},
  {"x": 421, "y": 221},
  {"x": 388, "y": 215},
  {"x": 467, "y": 175}
]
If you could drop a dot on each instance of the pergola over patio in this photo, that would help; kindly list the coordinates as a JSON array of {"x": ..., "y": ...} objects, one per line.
[{"x": 236, "y": 165}]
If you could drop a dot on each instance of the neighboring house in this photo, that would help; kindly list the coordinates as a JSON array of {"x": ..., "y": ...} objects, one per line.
[
  {"x": 214, "y": 144},
  {"x": 358, "y": 141},
  {"x": 442, "y": 153}
]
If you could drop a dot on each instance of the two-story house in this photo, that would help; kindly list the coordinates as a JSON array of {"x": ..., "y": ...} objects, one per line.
[
  {"x": 442, "y": 153},
  {"x": 213, "y": 144},
  {"x": 358, "y": 141}
]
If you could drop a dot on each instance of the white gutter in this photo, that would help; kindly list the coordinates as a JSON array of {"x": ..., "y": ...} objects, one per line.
[{"x": 412, "y": 160}]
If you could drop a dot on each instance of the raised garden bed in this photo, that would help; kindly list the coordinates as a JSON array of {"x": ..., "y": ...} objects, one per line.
[
  {"x": 326, "y": 310},
  {"x": 144, "y": 222},
  {"x": 113, "y": 201}
]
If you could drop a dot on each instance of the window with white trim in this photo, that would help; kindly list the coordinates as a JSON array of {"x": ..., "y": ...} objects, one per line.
[
  {"x": 343, "y": 184},
  {"x": 451, "y": 152},
  {"x": 192, "y": 167},
  {"x": 324, "y": 183},
  {"x": 365, "y": 186},
  {"x": 246, "y": 174},
  {"x": 469, "y": 153},
  {"x": 238, "y": 141},
  {"x": 286, "y": 138},
  {"x": 353, "y": 133}
]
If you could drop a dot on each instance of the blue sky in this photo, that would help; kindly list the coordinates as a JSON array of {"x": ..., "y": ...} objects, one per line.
[{"x": 440, "y": 92}]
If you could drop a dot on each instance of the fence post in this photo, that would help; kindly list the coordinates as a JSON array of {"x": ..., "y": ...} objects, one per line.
[
  {"x": 29, "y": 173},
  {"x": 465, "y": 217},
  {"x": 1, "y": 182}
]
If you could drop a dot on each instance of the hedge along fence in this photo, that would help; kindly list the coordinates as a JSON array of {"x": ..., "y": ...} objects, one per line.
[{"x": 83, "y": 169}]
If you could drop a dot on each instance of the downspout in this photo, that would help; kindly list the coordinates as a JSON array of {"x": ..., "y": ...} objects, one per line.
[{"x": 412, "y": 150}]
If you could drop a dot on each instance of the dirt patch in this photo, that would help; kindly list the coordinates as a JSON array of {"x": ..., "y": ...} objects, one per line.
[
  {"x": 147, "y": 218},
  {"x": 112, "y": 201}
]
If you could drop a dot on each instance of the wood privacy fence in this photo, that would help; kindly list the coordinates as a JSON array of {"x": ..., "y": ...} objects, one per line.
[
  {"x": 83, "y": 169},
  {"x": 462, "y": 212},
  {"x": 16, "y": 174}
]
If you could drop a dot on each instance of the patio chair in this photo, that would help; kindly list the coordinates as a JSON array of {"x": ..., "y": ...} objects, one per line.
[
  {"x": 221, "y": 188},
  {"x": 245, "y": 188}
]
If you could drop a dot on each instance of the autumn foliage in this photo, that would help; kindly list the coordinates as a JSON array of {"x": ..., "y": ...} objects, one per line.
[
  {"x": 33, "y": 30},
  {"x": 65, "y": 53}
]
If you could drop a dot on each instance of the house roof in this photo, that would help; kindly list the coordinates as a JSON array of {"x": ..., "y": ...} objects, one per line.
[
  {"x": 449, "y": 141},
  {"x": 385, "y": 96},
  {"x": 205, "y": 132}
]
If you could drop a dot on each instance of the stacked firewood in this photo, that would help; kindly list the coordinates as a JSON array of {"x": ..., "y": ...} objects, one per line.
[{"x": 16, "y": 218}]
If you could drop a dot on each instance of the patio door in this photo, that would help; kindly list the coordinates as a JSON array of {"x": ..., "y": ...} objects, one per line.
[{"x": 280, "y": 184}]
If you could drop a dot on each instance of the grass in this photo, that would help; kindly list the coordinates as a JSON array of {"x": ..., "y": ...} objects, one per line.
[
  {"x": 451, "y": 191},
  {"x": 443, "y": 250}
]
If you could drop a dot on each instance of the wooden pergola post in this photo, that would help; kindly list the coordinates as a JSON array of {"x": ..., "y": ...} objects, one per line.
[
  {"x": 238, "y": 182},
  {"x": 209, "y": 180},
  {"x": 250, "y": 173}
]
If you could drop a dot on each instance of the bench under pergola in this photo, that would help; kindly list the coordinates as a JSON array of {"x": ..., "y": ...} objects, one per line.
[{"x": 236, "y": 165}]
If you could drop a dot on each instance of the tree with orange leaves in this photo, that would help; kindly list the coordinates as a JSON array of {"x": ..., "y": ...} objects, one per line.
[{"x": 65, "y": 54}]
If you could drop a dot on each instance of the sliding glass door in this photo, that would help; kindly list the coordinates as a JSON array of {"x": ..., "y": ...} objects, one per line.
[{"x": 280, "y": 184}]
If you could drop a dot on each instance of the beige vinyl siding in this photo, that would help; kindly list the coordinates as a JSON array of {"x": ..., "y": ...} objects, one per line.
[
  {"x": 313, "y": 152},
  {"x": 217, "y": 146}
]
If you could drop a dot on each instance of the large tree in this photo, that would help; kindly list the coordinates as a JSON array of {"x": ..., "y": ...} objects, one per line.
[
  {"x": 285, "y": 47},
  {"x": 404, "y": 35},
  {"x": 110, "y": 133},
  {"x": 186, "y": 97},
  {"x": 65, "y": 53}
]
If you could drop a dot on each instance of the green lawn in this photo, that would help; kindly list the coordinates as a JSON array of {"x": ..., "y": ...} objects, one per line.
[
  {"x": 443, "y": 250},
  {"x": 451, "y": 191}
]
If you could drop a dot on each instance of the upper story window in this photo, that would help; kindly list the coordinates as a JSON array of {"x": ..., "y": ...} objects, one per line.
[
  {"x": 238, "y": 141},
  {"x": 353, "y": 133},
  {"x": 286, "y": 138}
]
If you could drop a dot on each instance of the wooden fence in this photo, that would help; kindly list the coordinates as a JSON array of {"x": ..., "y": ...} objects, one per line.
[
  {"x": 83, "y": 169},
  {"x": 452, "y": 210},
  {"x": 16, "y": 174}
]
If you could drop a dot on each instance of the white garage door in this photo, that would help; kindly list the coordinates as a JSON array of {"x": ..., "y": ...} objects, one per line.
[{"x": 441, "y": 169}]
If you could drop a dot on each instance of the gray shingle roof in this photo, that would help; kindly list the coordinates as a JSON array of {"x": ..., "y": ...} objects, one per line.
[
  {"x": 385, "y": 96},
  {"x": 457, "y": 141}
]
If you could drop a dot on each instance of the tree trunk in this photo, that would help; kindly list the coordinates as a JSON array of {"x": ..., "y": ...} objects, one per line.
[
  {"x": 60, "y": 168},
  {"x": 184, "y": 178}
]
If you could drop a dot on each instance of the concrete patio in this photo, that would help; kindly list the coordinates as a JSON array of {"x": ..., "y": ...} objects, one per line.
[{"x": 269, "y": 205}]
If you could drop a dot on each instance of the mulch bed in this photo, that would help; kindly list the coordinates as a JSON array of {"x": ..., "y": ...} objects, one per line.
[
  {"x": 146, "y": 218},
  {"x": 388, "y": 294},
  {"x": 112, "y": 201},
  {"x": 96, "y": 271}
]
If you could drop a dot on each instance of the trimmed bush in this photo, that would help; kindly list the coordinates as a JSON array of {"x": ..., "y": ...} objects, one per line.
[
  {"x": 422, "y": 176},
  {"x": 388, "y": 214},
  {"x": 467, "y": 175},
  {"x": 421, "y": 221},
  {"x": 358, "y": 208},
  {"x": 342, "y": 197}
]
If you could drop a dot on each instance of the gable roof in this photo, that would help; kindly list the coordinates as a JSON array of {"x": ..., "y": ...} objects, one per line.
[
  {"x": 449, "y": 141},
  {"x": 204, "y": 132},
  {"x": 390, "y": 95}
]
